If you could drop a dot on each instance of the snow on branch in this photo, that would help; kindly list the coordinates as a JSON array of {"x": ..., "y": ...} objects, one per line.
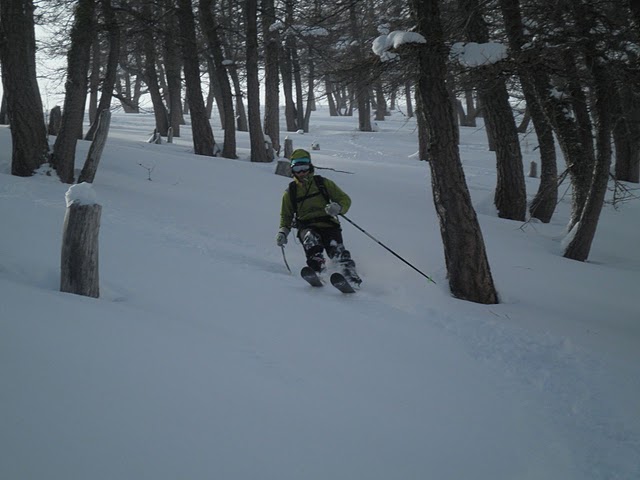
[{"x": 384, "y": 43}]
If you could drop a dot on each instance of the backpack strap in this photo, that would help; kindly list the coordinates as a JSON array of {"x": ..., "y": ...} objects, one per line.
[
  {"x": 322, "y": 187},
  {"x": 293, "y": 192}
]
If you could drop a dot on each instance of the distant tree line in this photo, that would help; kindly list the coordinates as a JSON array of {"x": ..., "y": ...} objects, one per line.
[{"x": 572, "y": 74}]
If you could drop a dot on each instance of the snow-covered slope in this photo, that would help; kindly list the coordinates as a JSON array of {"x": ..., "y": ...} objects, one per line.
[{"x": 205, "y": 358}]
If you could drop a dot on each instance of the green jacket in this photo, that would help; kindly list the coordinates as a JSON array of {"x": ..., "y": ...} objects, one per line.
[{"x": 311, "y": 204}]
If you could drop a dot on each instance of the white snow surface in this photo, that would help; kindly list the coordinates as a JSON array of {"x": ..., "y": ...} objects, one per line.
[{"x": 204, "y": 358}]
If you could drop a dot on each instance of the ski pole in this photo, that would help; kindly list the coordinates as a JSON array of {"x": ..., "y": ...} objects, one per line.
[
  {"x": 285, "y": 259},
  {"x": 384, "y": 246}
]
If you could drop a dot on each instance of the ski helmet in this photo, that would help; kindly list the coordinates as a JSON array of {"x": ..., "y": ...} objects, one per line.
[{"x": 302, "y": 159}]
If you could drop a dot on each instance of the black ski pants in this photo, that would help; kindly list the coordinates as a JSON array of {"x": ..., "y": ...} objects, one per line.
[{"x": 315, "y": 240}]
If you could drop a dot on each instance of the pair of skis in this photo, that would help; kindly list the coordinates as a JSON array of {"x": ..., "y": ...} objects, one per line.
[{"x": 337, "y": 280}]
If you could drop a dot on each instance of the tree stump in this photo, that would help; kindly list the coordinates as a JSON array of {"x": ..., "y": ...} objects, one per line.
[
  {"x": 533, "y": 170},
  {"x": 283, "y": 167},
  {"x": 79, "y": 262},
  {"x": 268, "y": 145},
  {"x": 55, "y": 121},
  {"x": 288, "y": 147}
]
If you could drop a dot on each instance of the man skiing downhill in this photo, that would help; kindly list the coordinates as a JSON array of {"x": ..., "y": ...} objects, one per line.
[{"x": 312, "y": 204}]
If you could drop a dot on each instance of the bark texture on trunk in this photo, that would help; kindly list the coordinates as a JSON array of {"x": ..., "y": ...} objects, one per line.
[
  {"x": 256, "y": 136},
  {"x": 585, "y": 229},
  {"x": 172, "y": 68},
  {"x": 88, "y": 173},
  {"x": 271, "y": 78},
  {"x": 544, "y": 203},
  {"x": 465, "y": 256},
  {"x": 24, "y": 106},
  {"x": 626, "y": 133},
  {"x": 109, "y": 82},
  {"x": 510, "y": 196},
  {"x": 78, "y": 58},
  {"x": 203, "y": 141},
  {"x": 151, "y": 74},
  {"x": 79, "y": 271},
  {"x": 210, "y": 28}
]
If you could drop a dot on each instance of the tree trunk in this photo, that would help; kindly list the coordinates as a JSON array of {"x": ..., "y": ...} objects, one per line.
[
  {"x": 222, "y": 80},
  {"x": 203, "y": 141},
  {"x": 271, "y": 78},
  {"x": 544, "y": 203},
  {"x": 407, "y": 96},
  {"x": 241, "y": 113},
  {"x": 214, "y": 95},
  {"x": 423, "y": 140},
  {"x": 472, "y": 113},
  {"x": 109, "y": 82},
  {"x": 510, "y": 196},
  {"x": 4, "y": 120},
  {"x": 450, "y": 84},
  {"x": 297, "y": 80},
  {"x": 381, "y": 103},
  {"x": 585, "y": 230},
  {"x": 364, "y": 106},
  {"x": 88, "y": 173},
  {"x": 526, "y": 119},
  {"x": 94, "y": 77},
  {"x": 626, "y": 133},
  {"x": 361, "y": 82},
  {"x": 634, "y": 5},
  {"x": 151, "y": 75},
  {"x": 580, "y": 245},
  {"x": 172, "y": 68},
  {"x": 465, "y": 256},
  {"x": 24, "y": 106},
  {"x": 328, "y": 88},
  {"x": 78, "y": 58},
  {"x": 256, "y": 136},
  {"x": 581, "y": 167},
  {"x": 287, "y": 88},
  {"x": 128, "y": 94},
  {"x": 311, "y": 101},
  {"x": 287, "y": 67}
]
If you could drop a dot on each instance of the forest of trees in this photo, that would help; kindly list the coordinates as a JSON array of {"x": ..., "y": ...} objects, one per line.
[{"x": 572, "y": 75}]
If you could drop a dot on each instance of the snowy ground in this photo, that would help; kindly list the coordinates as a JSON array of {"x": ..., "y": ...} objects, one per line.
[{"x": 205, "y": 358}]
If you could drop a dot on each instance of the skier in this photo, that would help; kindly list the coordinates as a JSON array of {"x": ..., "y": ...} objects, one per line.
[{"x": 312, "y": 204}]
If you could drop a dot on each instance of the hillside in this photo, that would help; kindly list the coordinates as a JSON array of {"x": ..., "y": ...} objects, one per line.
[{"x": 204, "y": 358}]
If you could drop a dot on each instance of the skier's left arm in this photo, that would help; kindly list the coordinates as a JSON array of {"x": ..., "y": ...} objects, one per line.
[{"x": 337, "y": 195}]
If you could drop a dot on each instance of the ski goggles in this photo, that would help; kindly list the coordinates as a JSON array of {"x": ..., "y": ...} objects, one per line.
[{"x": 301, "y": 167}]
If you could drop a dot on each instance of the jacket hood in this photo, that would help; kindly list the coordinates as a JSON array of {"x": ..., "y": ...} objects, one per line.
[{"x": 299, "y": 154}]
